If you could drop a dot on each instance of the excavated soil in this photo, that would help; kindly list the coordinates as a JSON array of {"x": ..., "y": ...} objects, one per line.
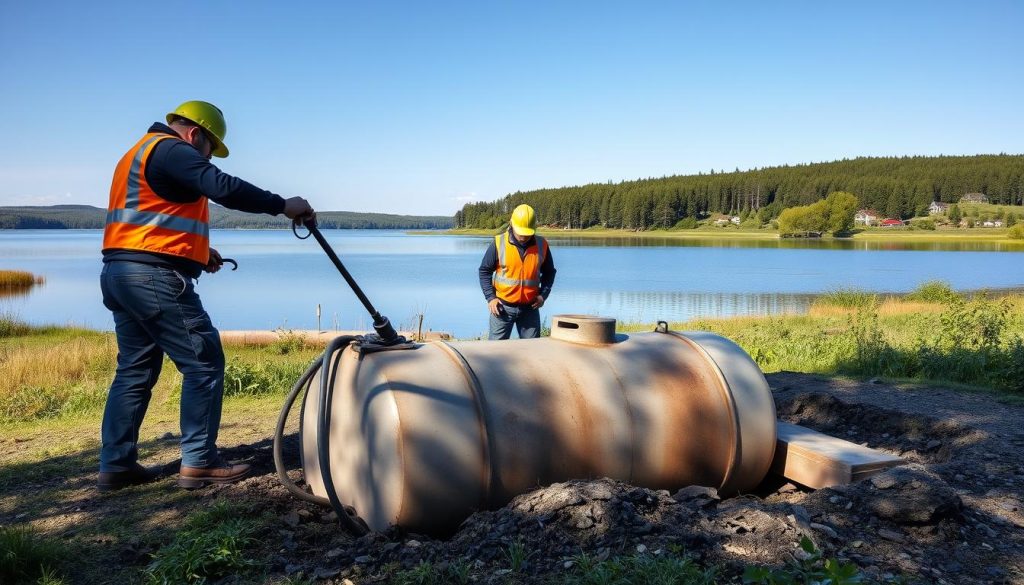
[{"x": 952, "y": 514}]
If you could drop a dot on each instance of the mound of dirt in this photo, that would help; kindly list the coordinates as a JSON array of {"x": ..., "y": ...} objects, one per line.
[{"x": 951, "y": 515}]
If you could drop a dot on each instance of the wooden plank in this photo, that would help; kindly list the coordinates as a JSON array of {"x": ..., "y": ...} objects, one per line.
[{"x": 817, "y": 460}]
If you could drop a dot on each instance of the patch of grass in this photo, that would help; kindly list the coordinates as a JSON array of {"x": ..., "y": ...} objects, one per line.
[
  {"x": 517, "y": 555},
  {"x": 455, "y": 573},
  {"x": 1016, "y": 232},
  {"x": 934, "y": 291},
  {"x": 56, "y": 371},
  {"x": 812, "y": 568},
  {"x": 667, "y": 569},
  {"x": 66, "y": 375},
  {"x": 210, "y": 546},
  {"x": 25, "y": 557},
  {"x": 847, "y": 298},
  {"x": 12, "y": 327}
]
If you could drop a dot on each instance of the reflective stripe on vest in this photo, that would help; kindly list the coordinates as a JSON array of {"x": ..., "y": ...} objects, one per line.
[
  {"x": 517, "y": 279},
  {"x": 139, "y": 219}
]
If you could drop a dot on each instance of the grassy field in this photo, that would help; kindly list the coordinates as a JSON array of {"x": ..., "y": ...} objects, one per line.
[
  {"x": 56, "y": 379},
  {"x": 931, "y": 334}
]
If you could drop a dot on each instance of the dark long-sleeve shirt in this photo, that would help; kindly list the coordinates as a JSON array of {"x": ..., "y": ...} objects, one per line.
[
  {"x": 177, "y": 172},
  {"x": 490, "y": 263}
]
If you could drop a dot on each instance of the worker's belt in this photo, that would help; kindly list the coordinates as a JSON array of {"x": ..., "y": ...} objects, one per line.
[{"x": 517, "y": 305}]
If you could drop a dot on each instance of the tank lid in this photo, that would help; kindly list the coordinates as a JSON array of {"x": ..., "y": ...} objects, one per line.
[{"x": 586, "y": 329}]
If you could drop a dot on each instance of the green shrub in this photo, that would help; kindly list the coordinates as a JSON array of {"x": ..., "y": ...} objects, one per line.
[
  {"x": 25, "y": 557},
  {"x": 243, "y": 378},
  {"x": 1016, "y": 232},
  {"x": 934, "y": 291},
  {"x": 923, "y": 224}
]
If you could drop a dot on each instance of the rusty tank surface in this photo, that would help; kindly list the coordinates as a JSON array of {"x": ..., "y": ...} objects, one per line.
[{"x": 423, "y": 437}]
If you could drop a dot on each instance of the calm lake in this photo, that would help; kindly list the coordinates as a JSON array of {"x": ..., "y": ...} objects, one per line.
[{"x": 280, "y": 279}]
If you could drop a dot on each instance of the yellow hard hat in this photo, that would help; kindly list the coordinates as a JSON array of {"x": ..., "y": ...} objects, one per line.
[
  {"x": 209, "y": 117},
  {"x": 524, "y": 220}
]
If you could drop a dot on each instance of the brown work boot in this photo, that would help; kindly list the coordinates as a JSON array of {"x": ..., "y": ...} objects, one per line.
[
  {"x": 192, "y": 478},
  {"x": 109, "y": 481}
]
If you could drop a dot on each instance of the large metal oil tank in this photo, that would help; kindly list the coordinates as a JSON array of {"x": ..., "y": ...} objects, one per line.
[{"x": 423, "y": 437}]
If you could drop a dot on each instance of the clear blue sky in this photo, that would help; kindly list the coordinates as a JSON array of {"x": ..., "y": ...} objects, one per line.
[{"x": 418, "y": 107}]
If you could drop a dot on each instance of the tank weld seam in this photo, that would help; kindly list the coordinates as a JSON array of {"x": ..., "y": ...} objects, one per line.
[
  {"x": 382, "y": 372},
  {"x": 490, "y": 475},
  {"x": 726, "y": 391},
  {"x": 629, "y": 414}
]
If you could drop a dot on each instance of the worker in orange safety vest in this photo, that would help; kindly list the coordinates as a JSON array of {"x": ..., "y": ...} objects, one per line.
[
  {"x": 156, "y": 243},
  {"x": 516, "y": 276}
]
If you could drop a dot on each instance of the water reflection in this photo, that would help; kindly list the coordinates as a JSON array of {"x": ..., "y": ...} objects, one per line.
[
  {"x": 651, "y": 306},
  {"x": 15, "y": 291}
]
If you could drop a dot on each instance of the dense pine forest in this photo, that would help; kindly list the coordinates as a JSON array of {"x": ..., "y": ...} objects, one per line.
[
  {"x": 88, "y": 217},
  {"x": 897, "y": 187}
]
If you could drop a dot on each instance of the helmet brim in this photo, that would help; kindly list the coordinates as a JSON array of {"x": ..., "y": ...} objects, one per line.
[{"x": 220, "y": 150}]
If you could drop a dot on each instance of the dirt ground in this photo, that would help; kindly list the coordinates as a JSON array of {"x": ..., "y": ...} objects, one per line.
[{"x": 953, "y": 514}]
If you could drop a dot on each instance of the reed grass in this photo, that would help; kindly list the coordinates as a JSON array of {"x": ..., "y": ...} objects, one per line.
[{"x": 19, "y": 279}]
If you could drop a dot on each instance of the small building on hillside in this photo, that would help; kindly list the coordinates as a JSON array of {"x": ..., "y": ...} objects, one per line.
[
  {"x": 735, "y": 219},
  {"x": 866, "y": 217},
  {"x": 974, "y": 198},
  {"x": 890, "y": 222},
  {"x": 938, "y": 208}
]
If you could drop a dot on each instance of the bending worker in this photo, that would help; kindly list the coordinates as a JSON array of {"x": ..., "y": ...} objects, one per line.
[
  {"x": 516, "y": 276},
  {"x": 155, "y": 245}
]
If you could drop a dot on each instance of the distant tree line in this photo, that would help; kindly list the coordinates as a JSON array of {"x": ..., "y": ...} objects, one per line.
[
  {"x": 898, "y": 187},
  {"x": 88, "y": 217}
]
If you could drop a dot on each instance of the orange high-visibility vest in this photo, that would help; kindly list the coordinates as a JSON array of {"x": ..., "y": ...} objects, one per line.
[
  {"x": 517, "y": 280},
  {"x": 139, "y": 219}
]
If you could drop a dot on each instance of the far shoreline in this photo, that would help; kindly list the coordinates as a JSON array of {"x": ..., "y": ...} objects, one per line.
[{"x": 995, "y": 235}]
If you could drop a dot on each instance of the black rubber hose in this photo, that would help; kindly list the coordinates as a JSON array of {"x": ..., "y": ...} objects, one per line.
[
  {"x": 279, "y": 438},
  {"x": 323, "y": 436}
]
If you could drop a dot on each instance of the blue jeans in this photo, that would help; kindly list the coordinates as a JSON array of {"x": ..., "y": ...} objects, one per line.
[
  {"x": 156, "y": 312},
  {"x": 526, "y": 320}
]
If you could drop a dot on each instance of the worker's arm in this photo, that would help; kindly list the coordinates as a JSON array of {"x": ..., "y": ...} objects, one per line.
[
  {"x": 177, "y": 172},
  {"x": 547, "y": 275},
  {"x": 487, "y": 267}
]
